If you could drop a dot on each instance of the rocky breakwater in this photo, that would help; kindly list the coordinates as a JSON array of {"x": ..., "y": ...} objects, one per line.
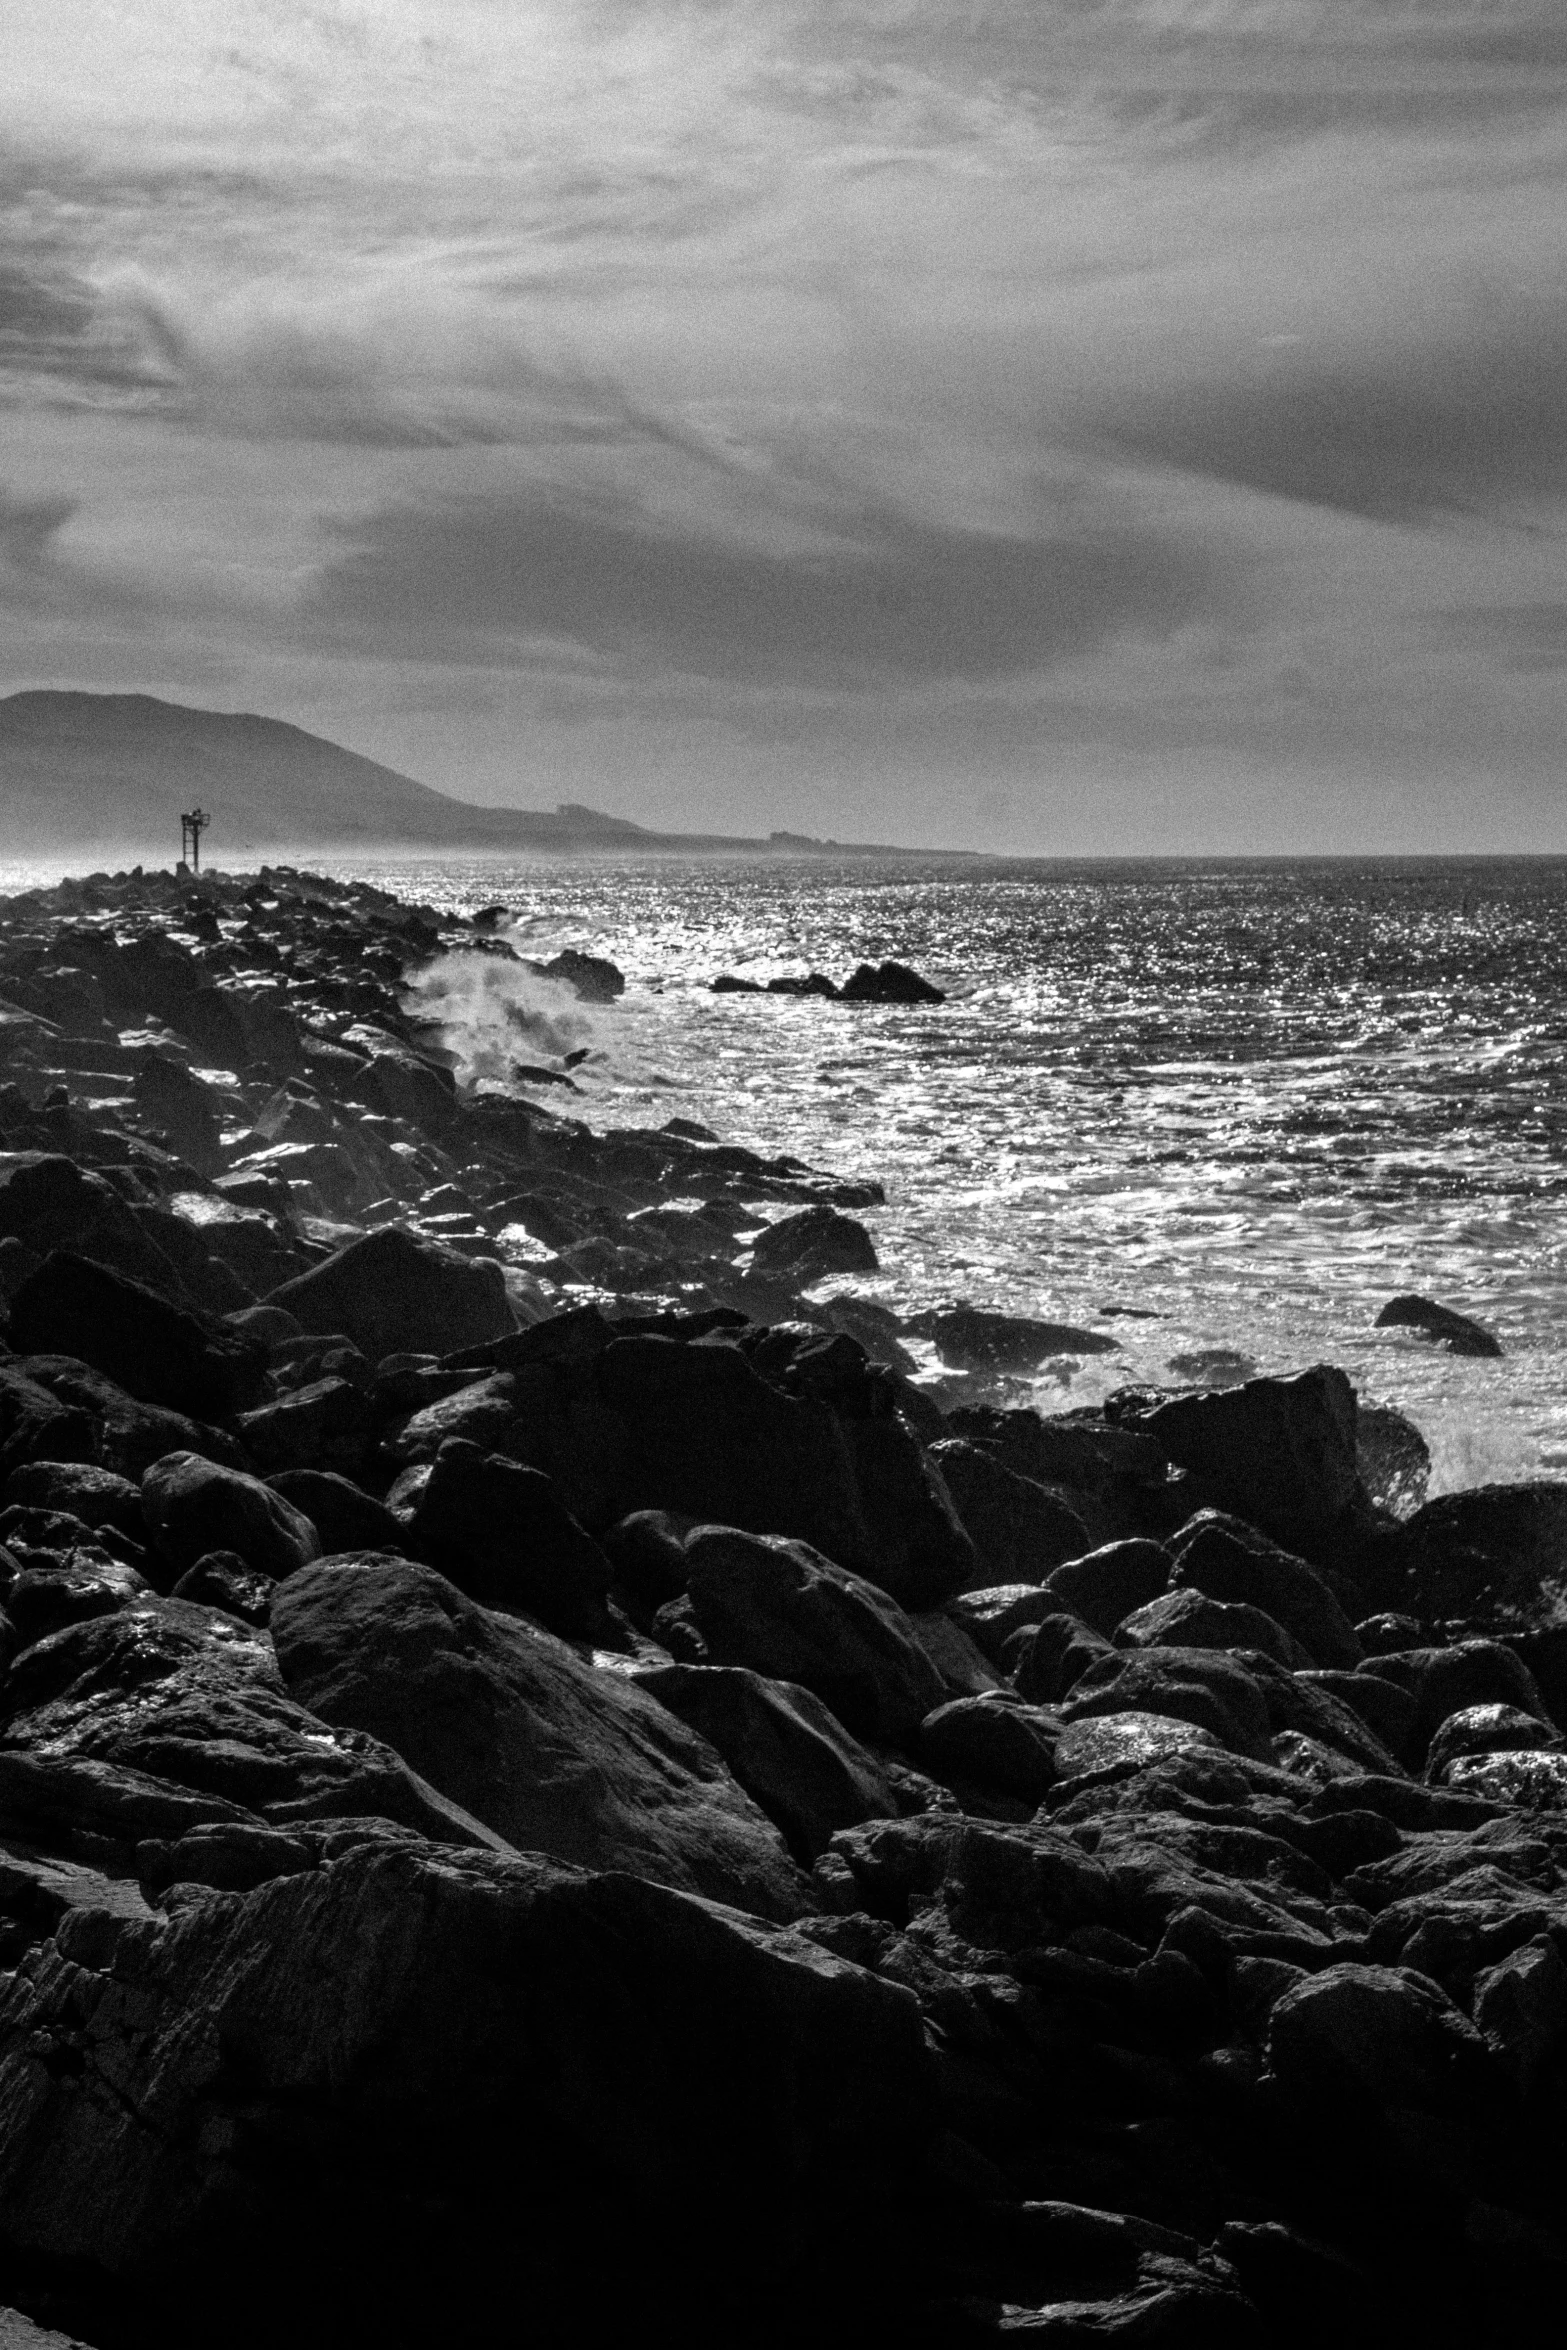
[{"x": 546, "y": 1775}]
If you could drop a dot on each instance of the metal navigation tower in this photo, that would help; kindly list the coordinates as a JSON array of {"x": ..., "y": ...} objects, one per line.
[{"x": 191, "y": 829}]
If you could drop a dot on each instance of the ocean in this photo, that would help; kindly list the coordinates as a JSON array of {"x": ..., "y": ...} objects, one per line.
[{"x": 1222, "y": 1109}]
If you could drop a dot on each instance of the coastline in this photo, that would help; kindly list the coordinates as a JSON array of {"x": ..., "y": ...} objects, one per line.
[{"x": 1096, "y": 1832}]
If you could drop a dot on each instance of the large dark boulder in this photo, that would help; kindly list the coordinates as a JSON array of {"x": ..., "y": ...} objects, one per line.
[
  {"x": 325, "y": 1425},
  {"x": 1442, "y": 1681},
  {"x": 553, "y": 1754},
  {"x": 395, "y": 1293},
  {"x": 1190, "y": 1619},
  {"x": 1198, "y": 1685},
  {"x": 812, "y": 1243},
  {"x": 301, "y": 2105},
  {"x": 192, "y": 1695},
  {"x": 1231, "y": 1562},
  {"x": 1279, "y": 1453},
  {"x": 37, "y": 1426},
  {"x": 192, "y": 1506},
  {"x": 1104, "y": 1586},
  {"x": 991, "y": 1743},
  {"x": 785, "y": 1747},
  {"x": 127, "y": 1435},
  {"x": 501, "y": 1533},
  {"x": 888, "y": 983},
  {"x": 1496, "y": 1554},
  {"x": 97, "y": 1496},
  {"x": 975, "y": 1338},
  {"x": 153, "y": 1350},
  {"x": 48, "y": 1202},
  {"x": 783, "y": 1609},
  {"x": 344, "y": 1516},
  {"x": 1380, "y": 2036},
  {"x": 1451, "y": 1330},
  {"x": 1020, "y": 1530}
]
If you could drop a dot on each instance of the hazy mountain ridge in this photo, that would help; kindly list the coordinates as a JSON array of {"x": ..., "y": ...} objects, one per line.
[{"x": 85, "y": 768}]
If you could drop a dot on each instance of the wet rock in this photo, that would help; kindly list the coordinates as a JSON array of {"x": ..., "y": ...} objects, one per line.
[
  {"x": 1107, "y": 1585},
  {"x": 1230, "y": 1562},
  {"x": 126, "y": 1436},
  {"x": 1190, "y": 1619},
  {"x": 501, "y": 1986},
  {"x": 153, "y": 1350},
  {"x": 344, "y": 1516},
  {"x": 509, "y": 1724},
  {"x": 394, "y": 1293},
  {"x": 888, "y": 983},
  {"x": 1019, "y": 1530},
  {"x": 1393, "y": 1458},
  {"x": 786, "y": 1748},
  {"x": 1534, "y": 1780},
  {"x": 1387, "y": 1709},
  {"x": 1486, "y": 1729},
  {"x": 44, "y": 1599},
  {"x": 973, "y": 1338},
  {"x": 1453, "y": 1331},
  {"x": 1496, "y": 1554},
  {"x": 49, "y": 1203},
  {"x": 592, "y": 978},
  {"x": 1277, "y": 1453},
  {"x": 36, "y": 1426},
  {"x": 501, "y": 1533},
  {"x": 1520, "y": 2007},
  {"x": 222, "y": 1579},
  {"x": 1443, "y": 1681},
  {"x": 1198, "y": 1685},
  {"x": 1302, "y": 1704},
  {"x": 784, "y": 1610},
  {"x": 193, "y": 1506},
  {"x": 326, "y": 1424},
  {"x": 962, "y": 1664},
  {"x": 1006, "y": 1746},
  {"x": 187, "y": 1694},
  {"x": 812, "y": 1243}
]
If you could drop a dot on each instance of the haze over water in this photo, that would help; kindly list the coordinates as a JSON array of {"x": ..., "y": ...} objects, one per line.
[{"x": 1252, "y": 1100}]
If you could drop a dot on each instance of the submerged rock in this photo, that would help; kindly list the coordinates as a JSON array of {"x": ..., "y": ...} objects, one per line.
[{"x": 1454, "y": 1331}]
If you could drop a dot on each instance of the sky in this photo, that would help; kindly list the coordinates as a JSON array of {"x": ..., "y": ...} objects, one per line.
[{"x": 1048, "y": 426}]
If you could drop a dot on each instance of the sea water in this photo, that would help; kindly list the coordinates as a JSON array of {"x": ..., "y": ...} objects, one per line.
[{"x": 1212, "y": 1109}]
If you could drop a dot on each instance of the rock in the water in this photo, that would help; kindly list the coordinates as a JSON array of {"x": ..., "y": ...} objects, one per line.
[
  {"x": 1020, "y": 1530},
  {"x": 1496, "y": 1554},
  {"x": 158, "y": 1353},
  {"x": 972, "y": 1338},
  {"x": 785, "y": 1747},
  {"x": 888, "y": 983},
  {"x": 1279, "y": 1453},
  {"x": 593, "y": 978},
  {"x": 501, "y": 1533},
  {"x": 394, "y": 1292},
  {"x": 1393, "y": 1457},
  {"x": 505, "y": 1720},
  {"x": 1454, "y": 1331},
  {"x": 812, "y": 1243},
  {"x": 1230, "y": 1562},
  {"x": 783, "y": 1609},
  {"x": 193, "y": 1506},
  {"x": 1105, "y": 1586},
  {"x": 638, "y": 2031}
]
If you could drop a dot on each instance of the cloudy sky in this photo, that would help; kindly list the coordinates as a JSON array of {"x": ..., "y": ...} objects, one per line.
[{"x": 1054, "y": 425}]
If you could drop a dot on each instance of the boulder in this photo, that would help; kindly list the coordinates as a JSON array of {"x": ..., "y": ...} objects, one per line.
[
  {"x": 193, "y": 1506},
  {"x": 1190, "y": 1619},
  {"x": 153, "y": 1350},
  {"x": 1278, "y": 1453},
  {"x": 990, "y": 1616},
  {"x": 184, "y": 1110},
  {"x": 785, "y": 1747},
  {"x": 392, "y": 1292},
  {"x": 1443, "y": 1681},
  {"x": 44, "y": 1599},
  {"x": 1496, "y": 1554},
  {"x": 1198, "y": 1685},
  {"x": 345, "y": 1517},
  {"x": 127, "y": 1436},
  {"x": 973, "y": 1338},
  {"x": 636, "y": 2029},
  {"x": 647, "y": 1555},
  {"x": 1475, "y": 1729},
  {"x": 326, "y": 1424},
  {"x": 1393, "y": 1458},
  {"x": 784, "y": 1610},
  {"x": 1520, "y": 2007},
  {"x": 1231, "y": 1562},
  {"x": 36, "y": 1426},
  {"x": 222, "y": 1579},
  {"x": 1373, "y": 2035},
  {"x": 501, "y": 1533},
  {"x": 97, "y": 1496},
  {"x": 1453, "y": 1331},
  {"x": 47, "y": 1202},
  {"x": 1107, "y": 1585},
  {"x": 506, "y": 1721},
  {"x": 1019, "y": 1529},
  {"x": 1051, "y": 1657},
  {"x": 1302, "y": 1705},
  {"x": 1009, "y": 1747},
  {"x": 190, "y": 1695},
  {"x": 812, "y": 1243}
]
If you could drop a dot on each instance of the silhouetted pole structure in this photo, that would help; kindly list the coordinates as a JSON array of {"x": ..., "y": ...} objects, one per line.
[{"x": 191, "y": 829}]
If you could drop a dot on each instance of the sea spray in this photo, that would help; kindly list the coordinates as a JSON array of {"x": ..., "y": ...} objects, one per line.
[{"x": 494, "y": 1013}]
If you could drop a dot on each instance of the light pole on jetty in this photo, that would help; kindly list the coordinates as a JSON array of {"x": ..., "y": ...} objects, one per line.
[{"x": 191, "y": 829}]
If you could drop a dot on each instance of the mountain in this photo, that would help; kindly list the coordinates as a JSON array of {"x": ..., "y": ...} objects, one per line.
[{"x": 117, "y": 771}]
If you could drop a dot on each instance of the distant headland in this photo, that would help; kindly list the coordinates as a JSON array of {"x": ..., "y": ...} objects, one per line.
[{"x": 120, "y": 770}]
